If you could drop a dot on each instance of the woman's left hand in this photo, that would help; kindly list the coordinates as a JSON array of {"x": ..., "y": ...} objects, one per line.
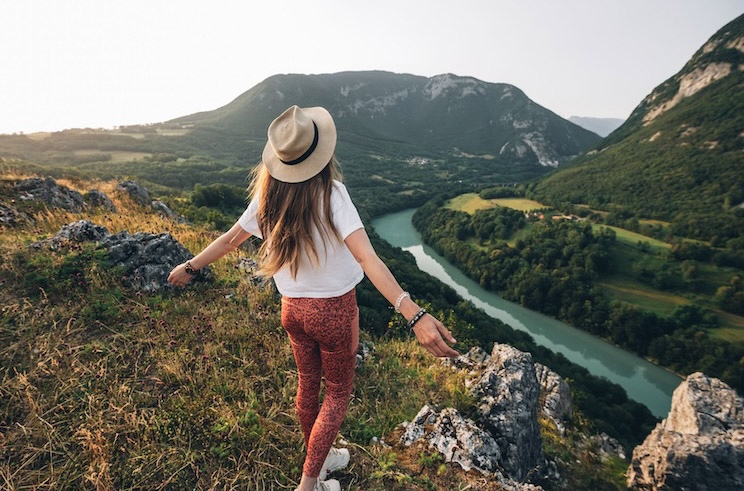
[{"x": 178, "y": 276}]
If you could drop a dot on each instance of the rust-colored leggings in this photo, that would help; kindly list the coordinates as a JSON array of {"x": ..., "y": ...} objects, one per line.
[{"x": 324, "y": 333}]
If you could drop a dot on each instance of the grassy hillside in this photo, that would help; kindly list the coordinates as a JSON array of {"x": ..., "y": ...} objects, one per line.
[{"x": 105, "y": 388}]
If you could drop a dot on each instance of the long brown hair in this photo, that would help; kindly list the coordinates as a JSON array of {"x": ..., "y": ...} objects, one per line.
[{"x": 288, "y": 214}]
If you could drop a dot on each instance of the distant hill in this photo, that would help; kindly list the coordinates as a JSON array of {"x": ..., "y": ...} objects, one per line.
[
  {"x": 600, "y": 126},
  {"x": 679, "y": 155},
  {"x": 398, "y": 134},
  {"x": 444, "y": 115}
]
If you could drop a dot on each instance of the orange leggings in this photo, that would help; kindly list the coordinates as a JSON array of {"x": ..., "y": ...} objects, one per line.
[{"x": 324, "y": 333}]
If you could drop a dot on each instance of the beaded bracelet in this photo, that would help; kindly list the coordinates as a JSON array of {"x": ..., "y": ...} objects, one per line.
[
  {"x": 400, "y": 300},
  {"x": 416, "y": 318}
]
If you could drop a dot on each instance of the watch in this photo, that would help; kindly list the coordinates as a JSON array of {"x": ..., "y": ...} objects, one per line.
[{"x": 190, "y": 269}]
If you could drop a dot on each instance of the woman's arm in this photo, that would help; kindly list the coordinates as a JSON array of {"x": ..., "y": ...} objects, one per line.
[
  {"x": 227, "y": 242},
  {"x": 429, "y": 331}
]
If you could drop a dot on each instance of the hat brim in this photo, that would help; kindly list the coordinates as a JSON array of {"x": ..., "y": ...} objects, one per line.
[{"x": 316, "y": 162}]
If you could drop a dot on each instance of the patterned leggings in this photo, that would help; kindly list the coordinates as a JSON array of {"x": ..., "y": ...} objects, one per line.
[{"x": 324, "y": 333}]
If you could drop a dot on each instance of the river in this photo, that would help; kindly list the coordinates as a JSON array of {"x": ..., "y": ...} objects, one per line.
[{"x": 643, "y": 381}]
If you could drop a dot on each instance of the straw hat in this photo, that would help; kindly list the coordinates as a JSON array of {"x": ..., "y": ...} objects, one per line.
[{"x": 301, "y": 143}]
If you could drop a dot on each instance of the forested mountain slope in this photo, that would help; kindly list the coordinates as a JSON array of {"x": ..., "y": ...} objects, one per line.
[{"x": 679, "y": 157}]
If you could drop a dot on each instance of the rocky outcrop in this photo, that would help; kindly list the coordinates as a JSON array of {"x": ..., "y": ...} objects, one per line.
[
  {"x": 75, "y": 232},
  {"x": 509, "y": 398},
  {"x": 147, "y": 259},
  {"x": 99, "y": 199},
  {"x": 165, "y": 211},
  {"x": 555, "y": 396},
  {"x": 458, "y": 439},
  {"x": 47, "y": 191},
  {"x": 137, "y": 193},
  {"x": 505, "y": 440},
  {"x": 142, "y": 197},
  {"x": 11, "y": 217},
  {"x": 699, "y": 446}
]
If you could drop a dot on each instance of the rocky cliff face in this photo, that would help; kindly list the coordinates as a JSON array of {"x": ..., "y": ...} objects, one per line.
[
  {"x": 504, "y": 441},
  {"x": 699, "y": 446}
]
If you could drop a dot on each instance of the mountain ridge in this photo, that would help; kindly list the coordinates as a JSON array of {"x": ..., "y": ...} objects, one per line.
[{"x": 443, "y": 113}]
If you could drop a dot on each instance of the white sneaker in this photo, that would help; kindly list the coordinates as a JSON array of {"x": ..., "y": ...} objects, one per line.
[
  {"x": 337, "y": 458},
  {"x": 329, "y": 485}
]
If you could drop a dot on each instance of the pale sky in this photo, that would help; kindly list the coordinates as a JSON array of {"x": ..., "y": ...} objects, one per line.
[{"x": 100, "y": 63}]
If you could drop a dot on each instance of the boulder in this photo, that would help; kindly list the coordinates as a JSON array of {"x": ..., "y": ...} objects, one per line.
[
  {"x": 48, "y": 192},
  {"x": 75, "y": 232},
  {"x": 147, "y": 259},
  {"x": 699, "y": 446},
  {"x": 458, "y": 439},
  {"x": 99, "y": 199},
  {"x": 165, "y": 211},
  {"x": 137, "y": 193}
]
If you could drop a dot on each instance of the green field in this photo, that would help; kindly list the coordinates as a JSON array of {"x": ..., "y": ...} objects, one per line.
[
  {"x": 632, "y": 238},
  {"x": 116, "y": 155},
  {"x": 626, "y": 289}
]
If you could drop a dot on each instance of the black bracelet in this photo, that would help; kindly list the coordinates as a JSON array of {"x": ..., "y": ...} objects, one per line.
[{"x": 416, "y": 318}]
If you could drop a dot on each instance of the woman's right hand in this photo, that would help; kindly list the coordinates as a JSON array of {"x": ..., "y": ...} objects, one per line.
[{"x": 178, "y": 276}]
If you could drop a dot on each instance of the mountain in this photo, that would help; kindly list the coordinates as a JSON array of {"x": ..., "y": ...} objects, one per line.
[
  {"x": 445, "y": 115},
  {"x": 678, "y": 157},
  {"x": 600, "y": 126}
]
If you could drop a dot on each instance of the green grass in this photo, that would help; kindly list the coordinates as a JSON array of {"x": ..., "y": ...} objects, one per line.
[
  {"x": 632, "y": 238},
  {"x": 628, "y": 290},
  {"x": 731, "y": 327}
]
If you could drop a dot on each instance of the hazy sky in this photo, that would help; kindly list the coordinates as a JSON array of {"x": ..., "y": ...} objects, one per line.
[{"x": 99, "y": 63}]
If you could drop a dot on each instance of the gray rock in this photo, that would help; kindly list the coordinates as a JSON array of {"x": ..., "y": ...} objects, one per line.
[
  {"x": 50, "y": 193},
  {"x": 139, "y": 194},
  {"x": 148, "y": 259},
  {"x": 509, "y": 398},
  {"x": 250, "y": 267},
  {"x": 75, "y": 232},
  {"x": 364, "y": 352},
  {"x": 699, "y": 446},
  {"x": 461, "y": 441},
  {"x": 555, "y": 395},
  {"x": 608, "y": 446},
  {"x": 99, "y": 199},
  {"x": 11, "y": 217},
  {"x": 164, "y": 210}
]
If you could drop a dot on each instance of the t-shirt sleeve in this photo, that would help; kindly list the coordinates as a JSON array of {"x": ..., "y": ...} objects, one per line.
[
  {"x": 345, "y": 215},
  {"x": 248, "y": 219}
]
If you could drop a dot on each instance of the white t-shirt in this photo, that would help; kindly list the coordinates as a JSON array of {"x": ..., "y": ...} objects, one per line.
[{"x": 338, "y": 271}]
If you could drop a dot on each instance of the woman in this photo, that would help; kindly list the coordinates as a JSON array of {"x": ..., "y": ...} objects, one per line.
[{"x": 316, "y": 249}]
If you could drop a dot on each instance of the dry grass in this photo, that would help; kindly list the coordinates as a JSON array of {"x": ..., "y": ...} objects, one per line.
[{"x": 471, "y": 202}]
